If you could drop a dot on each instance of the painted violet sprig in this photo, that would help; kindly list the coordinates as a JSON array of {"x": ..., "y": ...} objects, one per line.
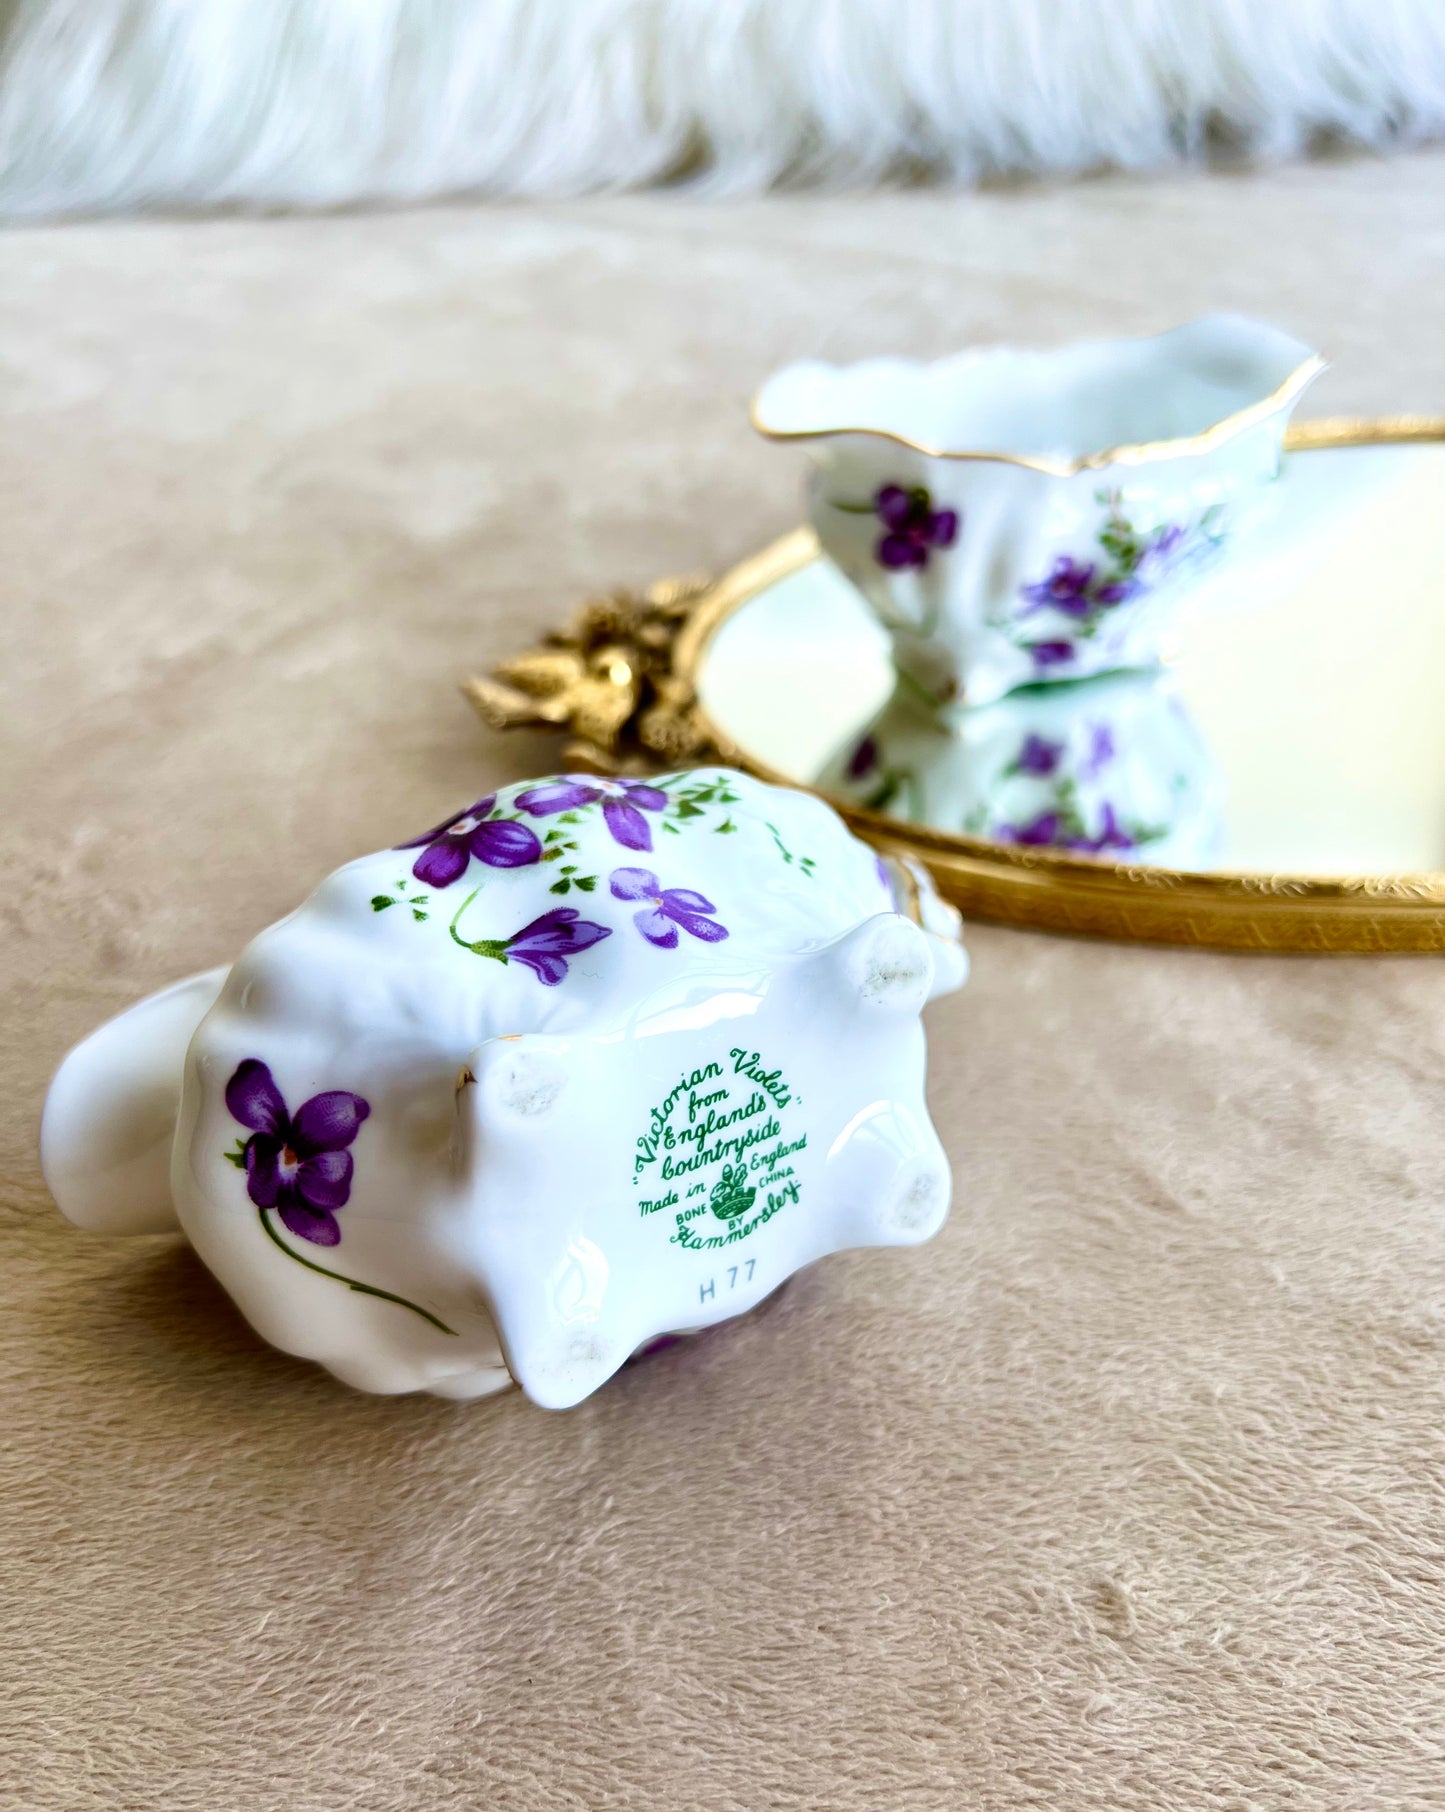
[
  {"x": 299, "y": 1166},
  {"x": 1131, "y": 563},
  {"x": 476, "y": 832},
  {"x": 1038, "y": 757},
  {"x": 1055, "y": 652},
  {"x": 1060, "y": 824},
  {"x": 631, "y": 811},
  {"x": 667, "y": 908},
  {"x": 623, "y": 803},
  {"x": 545, "y": 946},
  {"x": 912, "y": 527},
  {"x": 1061, "y": 827},
  {"x": 1078, "y": 589}
]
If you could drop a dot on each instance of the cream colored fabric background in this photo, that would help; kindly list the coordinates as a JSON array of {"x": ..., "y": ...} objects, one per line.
[{"x": 1127, "y": 1493}]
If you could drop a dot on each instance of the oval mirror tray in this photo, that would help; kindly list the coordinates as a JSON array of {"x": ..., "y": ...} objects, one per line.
[{"x": 1278, "y": 784}]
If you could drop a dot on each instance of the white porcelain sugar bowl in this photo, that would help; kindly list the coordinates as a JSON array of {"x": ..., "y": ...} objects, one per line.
[
  {"x": 592, "y": 1062},
  {"x": 1016, "y": 517}
]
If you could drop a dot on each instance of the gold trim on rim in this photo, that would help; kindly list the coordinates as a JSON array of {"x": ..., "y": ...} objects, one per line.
[{"x": 1138, "y": 453}]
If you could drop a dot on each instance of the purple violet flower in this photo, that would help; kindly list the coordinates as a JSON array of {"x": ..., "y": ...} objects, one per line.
[
  {"x": 1101, "y": 750},
  {"x": 864, "y": 759},
  {"x": 1111, "y": 835},
  {"x": 623, "y": 803},
  {"x": 914, "y": 528},
  {"x": 297, "y": 1164},
  {"x": 1049, "y": 654},
  {"x": 1066, "y": 588},
  {"x": 1048, "y": 830},
  {"x": 1038, "y": 756},
  {"x": 546, "y": 945},
  {"x": 1160, "y": 554},
  {"x": 1043, "y": 830},
  {"x": 667, "y": 908},
  {"x": 1071, "y": 589},
  {"x": 499, "y": 842}
]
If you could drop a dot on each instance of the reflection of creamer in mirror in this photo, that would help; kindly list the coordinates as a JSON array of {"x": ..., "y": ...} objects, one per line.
[
  {"x": 590, "y": 1062},
  {"x": 1112, "y": 768}
]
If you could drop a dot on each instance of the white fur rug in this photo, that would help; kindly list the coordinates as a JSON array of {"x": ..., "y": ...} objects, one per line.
[{"x": 110, "y": 104}]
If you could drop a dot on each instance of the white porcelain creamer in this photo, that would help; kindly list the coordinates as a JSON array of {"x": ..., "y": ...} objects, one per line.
[{"x": 1016, "y": 517}]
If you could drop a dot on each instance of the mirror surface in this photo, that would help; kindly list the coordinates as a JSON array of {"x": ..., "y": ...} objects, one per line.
[{"x": 1296, "y": 727}]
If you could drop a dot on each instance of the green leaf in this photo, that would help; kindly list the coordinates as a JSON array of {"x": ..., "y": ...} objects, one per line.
[
  {"x": 586, "y": 882},
  {"x": 418, "y": 916},
  {"x": 380, "y": 902},
  {"x": 671, "y": 829},
  {"x": 721, "y": 830},
  {"x": 560, "y": 887},
  {"x": 686, "y": 809},
  {"x": 552, "y": 855},
  {"x": 570, "y": 868},
  {"x": 236, "y": 1157}
]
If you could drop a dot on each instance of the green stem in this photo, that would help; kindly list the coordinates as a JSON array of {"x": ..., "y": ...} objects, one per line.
[
  {"x": 484, "y": 946},
  {"x": 920, "y": 692},
  {"x": 363, "y": 1289},
  {"x": 457, "y": 916}
]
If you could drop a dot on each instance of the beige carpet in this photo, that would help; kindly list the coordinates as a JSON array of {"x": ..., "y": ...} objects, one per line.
[{"x": 1129, "y": 1493}]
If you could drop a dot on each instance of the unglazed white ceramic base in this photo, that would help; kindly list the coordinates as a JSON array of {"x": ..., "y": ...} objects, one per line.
[{"x": 593, "y": 1062}]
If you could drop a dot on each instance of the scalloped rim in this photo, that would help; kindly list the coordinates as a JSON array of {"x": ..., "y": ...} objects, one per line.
[{"x": 1126, "y": 454}]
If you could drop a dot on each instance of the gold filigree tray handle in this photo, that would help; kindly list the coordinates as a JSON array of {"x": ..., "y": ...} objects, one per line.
[{"x": 610, "y": 680}]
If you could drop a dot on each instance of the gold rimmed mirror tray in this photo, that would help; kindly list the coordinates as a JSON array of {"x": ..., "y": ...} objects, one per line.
[{"x": 1312, "y": 681}]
